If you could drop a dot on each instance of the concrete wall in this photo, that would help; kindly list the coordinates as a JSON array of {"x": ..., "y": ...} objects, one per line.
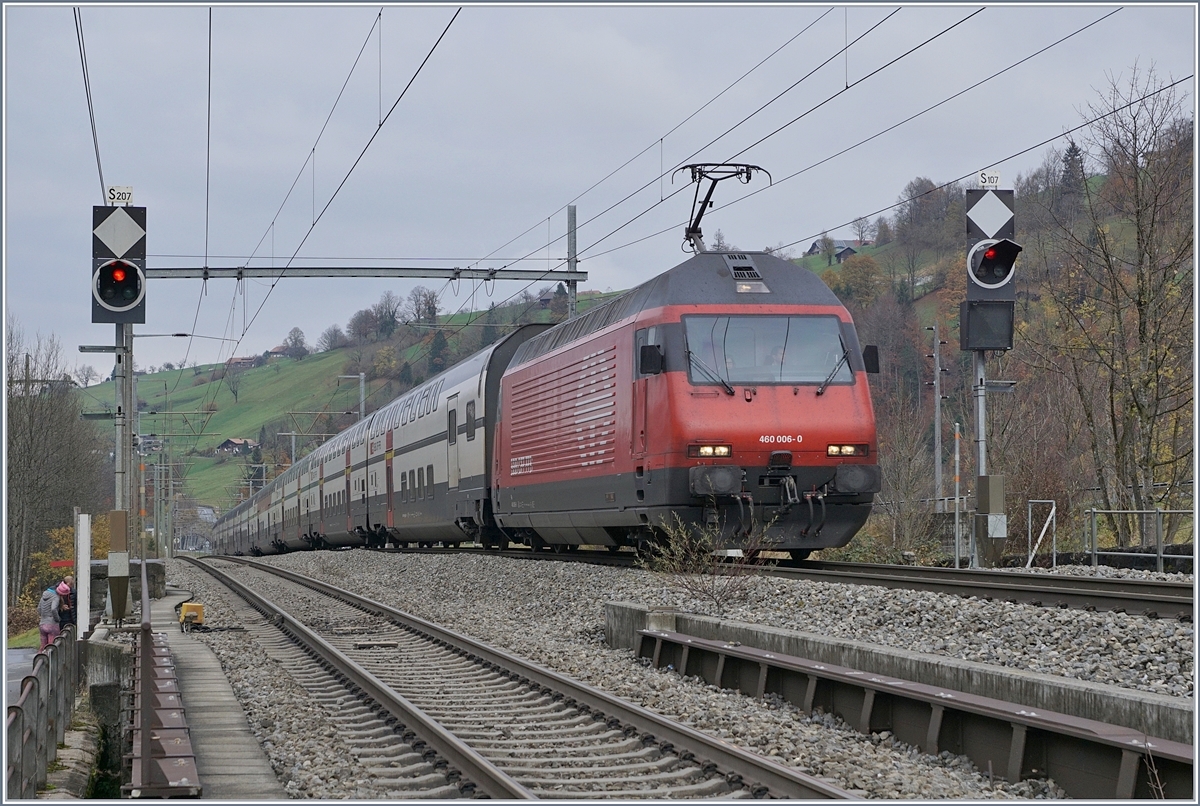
[
  {"x": 156, "y": 574},
  {"x": 1154, "y": 714},
  {"x": 108, "y": 665}
]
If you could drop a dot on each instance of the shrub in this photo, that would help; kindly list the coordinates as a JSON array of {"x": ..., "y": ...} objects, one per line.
[
  {"x": 21, "y": 619},
  {"x": 687, "y": 561},
  {"x": 210, "y": 406}
]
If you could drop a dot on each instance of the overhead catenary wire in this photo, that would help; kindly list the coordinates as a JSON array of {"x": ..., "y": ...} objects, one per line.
[
  {"x": 354, "y": 165},
  {"x": 674, "y": 128},
  {"x": 659, "y": 143},
  {"x": 247, "y": 324},
  {"x": 818, "y": 105},
  {"x": 873, "y": 137},
  {"x": 87, "y": 89},
  {"x": 208, "y": 141}
]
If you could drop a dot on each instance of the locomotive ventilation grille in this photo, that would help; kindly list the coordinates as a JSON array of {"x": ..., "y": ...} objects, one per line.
[
  {"x": 566, "y": 419},
  {"x": 741, "y": 266}
]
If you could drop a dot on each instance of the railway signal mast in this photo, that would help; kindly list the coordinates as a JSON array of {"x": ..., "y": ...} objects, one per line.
[
  {"x": 119, "y": 298},
  {"x": 986, "y": 323}
]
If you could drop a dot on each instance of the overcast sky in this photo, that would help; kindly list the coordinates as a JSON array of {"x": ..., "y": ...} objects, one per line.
[{"x": 517, "y": 113}]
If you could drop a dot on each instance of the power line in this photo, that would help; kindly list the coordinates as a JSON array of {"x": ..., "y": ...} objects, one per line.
[
  {"x": 317, "y": 218},
  {"x": 870, "y": 138},
  {"x": 357, "y": 160},
  {"x": 312, "y": 152},
  {"x": 208, "y": 139},
  {"x": 87, "y": 88},
  {"x": 674, "y": 129}
]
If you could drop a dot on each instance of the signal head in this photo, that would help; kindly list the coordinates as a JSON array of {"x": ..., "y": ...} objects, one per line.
[
  {"x": 990, "y": 262},
  {"x": 118, "y": 291}
]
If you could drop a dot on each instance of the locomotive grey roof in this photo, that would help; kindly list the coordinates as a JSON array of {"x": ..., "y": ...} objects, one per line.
[{"x": 705, "y": 279}]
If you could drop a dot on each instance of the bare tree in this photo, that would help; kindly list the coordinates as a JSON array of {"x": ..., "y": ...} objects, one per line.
[
  {"x": 1120, "y": 281},
  {"x": 56, "y": 461},
  {"x": 423, "y": 306},
  {"x": 233, "y": 380},
  {"x": 828, "y": 248},
  {"x": 387, "y": 313},
  {"x": 864, "y": 230},
  {"x": 363, "y": 326},
  {"x": 85, "y": 374},
  {"x": 781, "y": 251},
  {"x": 331, "y": 339}
]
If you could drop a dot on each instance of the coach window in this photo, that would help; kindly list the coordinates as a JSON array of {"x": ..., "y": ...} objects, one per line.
[
  {"x": 404, "y": 487},
  {"x": 470, "y": 420},
  {"x": 420, "y": 482},
  {"x": 452, "y": 426},
  {"x": 412, "y": 485},
  {"x": 429, "y": 480}
]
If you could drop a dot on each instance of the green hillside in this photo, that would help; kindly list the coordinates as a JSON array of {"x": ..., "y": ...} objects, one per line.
[{"x": 193, "y": 410}]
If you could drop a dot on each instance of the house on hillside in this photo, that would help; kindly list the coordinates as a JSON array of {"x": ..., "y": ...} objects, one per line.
[
  {"x": 841, "y": 249},
  {"x": 236, "y": 447},
  {"x": 278, "y": 352},
  {"x": 240, "y": 363}
]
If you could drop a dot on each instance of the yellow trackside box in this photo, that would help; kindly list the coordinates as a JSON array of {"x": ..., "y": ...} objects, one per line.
[{"x": 191, "y": 613}]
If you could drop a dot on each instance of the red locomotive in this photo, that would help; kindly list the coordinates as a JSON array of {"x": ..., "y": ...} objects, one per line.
[{"x": 729, "y": 391}]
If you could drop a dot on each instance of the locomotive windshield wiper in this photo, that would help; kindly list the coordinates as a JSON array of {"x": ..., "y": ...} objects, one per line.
[
  {"x": 836, "y": 367},
  {"x": 714, "y": 376}
]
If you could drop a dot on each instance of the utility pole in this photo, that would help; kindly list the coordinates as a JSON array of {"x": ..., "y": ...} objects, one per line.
[
  {"x": 572, "y": 261},
  {"x": 362, "y": 392},
  {"x": 957, "y": 499},
  {"x": 938, "y": 397}
]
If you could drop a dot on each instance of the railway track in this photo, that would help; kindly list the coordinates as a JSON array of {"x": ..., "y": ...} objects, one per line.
[
  {"x": 447, "y": 715},
  {"x": 1151, "y": 598}
]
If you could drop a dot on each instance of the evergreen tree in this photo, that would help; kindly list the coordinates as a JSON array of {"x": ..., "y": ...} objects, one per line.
[
  {"x": 437, "y": 353},
  {"x": 490, "y": 331}
]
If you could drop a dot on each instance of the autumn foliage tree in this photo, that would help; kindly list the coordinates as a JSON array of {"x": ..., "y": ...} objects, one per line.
[{"x": 1119, "y": 322}]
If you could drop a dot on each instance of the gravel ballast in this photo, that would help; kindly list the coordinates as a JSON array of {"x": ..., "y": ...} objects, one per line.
[{"x": 553, "y": 614}]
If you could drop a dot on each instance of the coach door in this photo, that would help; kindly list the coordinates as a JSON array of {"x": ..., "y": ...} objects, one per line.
[
  {"x": 452, "y": 471},
  {"x": 387, "y": 463}
]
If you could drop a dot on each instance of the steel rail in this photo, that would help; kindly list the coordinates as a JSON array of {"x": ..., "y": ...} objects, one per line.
[
  {"x": 759, "y": 774},
  {"x": 1151, "y": 598},
  {"x": 474, "y": 767},
  {"x": 1138, "y": 596}
]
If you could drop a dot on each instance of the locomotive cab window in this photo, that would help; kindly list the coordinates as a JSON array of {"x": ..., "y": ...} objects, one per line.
[{"x": 765, "y": 349}]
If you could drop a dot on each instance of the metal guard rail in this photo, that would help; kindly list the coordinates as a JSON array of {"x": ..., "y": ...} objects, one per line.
[
  {"x": 37, "y": 721},
  {"x": 163, "y": 765},
  {"x": 1088, "y": 759}
]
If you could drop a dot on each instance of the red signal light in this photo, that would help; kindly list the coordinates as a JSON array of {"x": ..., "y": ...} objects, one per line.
[
  {"x": 990, "y": 254},
  {"x": 118, "y": 275}
]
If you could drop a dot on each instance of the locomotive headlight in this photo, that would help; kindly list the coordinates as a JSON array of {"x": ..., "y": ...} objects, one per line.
[
  {"x": 709, "y": 451},
  {"x": 846, "y": 450}
]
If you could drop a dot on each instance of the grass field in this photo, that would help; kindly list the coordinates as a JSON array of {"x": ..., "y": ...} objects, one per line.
[{"x": 30, "y": 639}]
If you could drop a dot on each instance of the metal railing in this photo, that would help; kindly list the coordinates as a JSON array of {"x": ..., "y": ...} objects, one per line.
[
  {"x": 158, "y": 717},
  {"x": 38, "y": 720},
  {"x": 1156, "y": 514}
]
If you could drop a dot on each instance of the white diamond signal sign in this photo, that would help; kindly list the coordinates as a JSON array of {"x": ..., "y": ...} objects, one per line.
[
  {"x": 989, "y": 214},
  {"x": 120, "y": 230}
]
